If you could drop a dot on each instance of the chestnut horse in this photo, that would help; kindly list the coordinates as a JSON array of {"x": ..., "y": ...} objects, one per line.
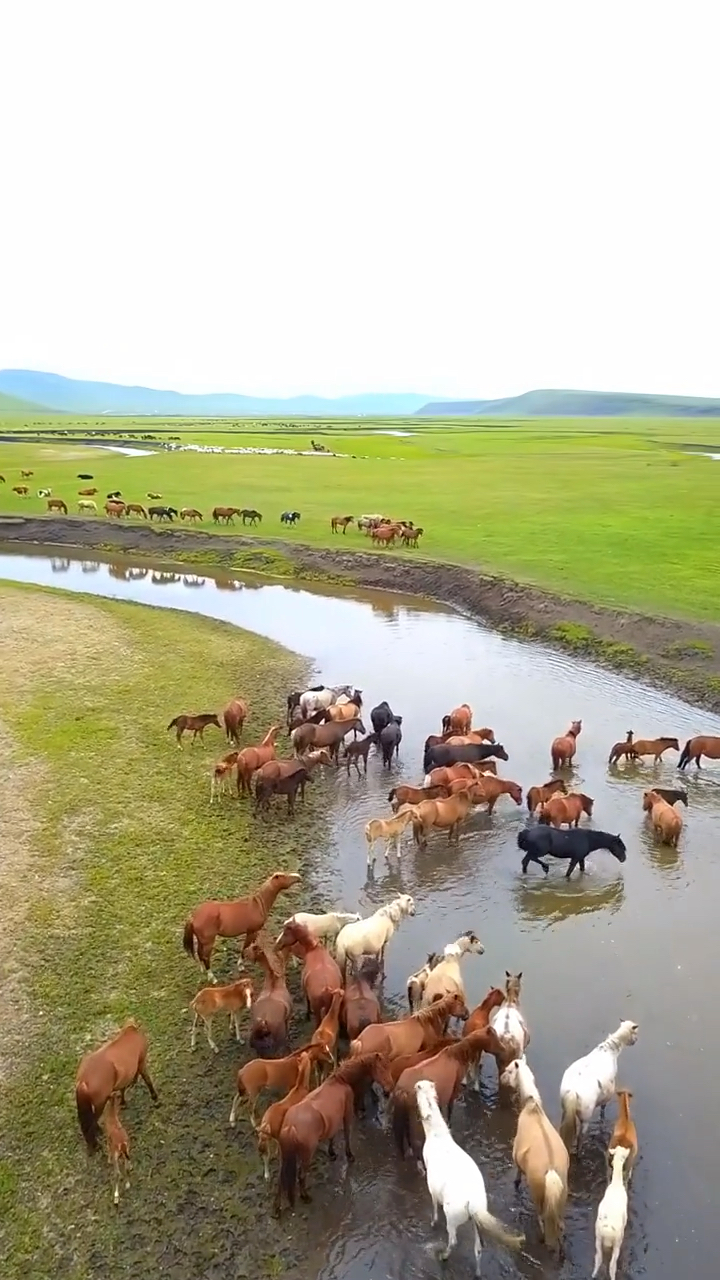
[
  {"x": 414, "y": 795},
  {"x": 398, "y": 1065},
  {"x": 321, "y": 975},
  {"x": 361, "y": 1007},
  {"x": 447, "y": 1071},
  {"x": 459, "y": 720},
  {"x": 269, "y": 1128},
  {"x": 567, "y": 809},
  {"x": 110, "y": 1069},
  {"x": 619, "y": 749},
  {"x": 654, "y": 747},
  {"x": 666, "y": 820},
  {"x": 694, "y": 748},
  {"x": 321, "y": 1115},
  {"x": 562, "y": 750},
  {"x": 478, "y": 1020},
  {"x": 234, "y": 717},
  {"x": 408, "y": 1035},
  {"x": 272, "y": 1009},
  {"x": 230, "y": 919},
  {"x": 340, "y": 522},
  {"x": 272, "y": 1073},
  {"x": 442, "y": 815},
  {"x": 251, "y": 758},
  {"x": 118, "y": 1145},
  {"x": 488, "y": 790},
  {"x": 538, "y": 795},
  {"x": 447, "y": 774},
  {"x": 194, "y": 725},
  {"x": 328, "y": 1030}
]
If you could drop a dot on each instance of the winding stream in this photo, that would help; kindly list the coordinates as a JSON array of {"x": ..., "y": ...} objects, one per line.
[{"x": 637, "y": 941}]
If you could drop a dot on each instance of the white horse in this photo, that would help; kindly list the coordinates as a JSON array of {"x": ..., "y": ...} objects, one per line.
[
  {"x": 540, "y": 1153},
  {"x": 320, "y": 699},
  {"x": 323, "y": 926},
  {"x": 508, "y": 1021},
  {"x": 455, "y": 1181},
  {"x": 369, "y": 937},
  {"x": 590, "y": 1082},
  {"x": 446, "y": 976},
  {"x": 612, "y": 1216}
]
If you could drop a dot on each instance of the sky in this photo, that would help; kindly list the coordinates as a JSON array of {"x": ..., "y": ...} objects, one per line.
[{"x": 455, "y": 199}]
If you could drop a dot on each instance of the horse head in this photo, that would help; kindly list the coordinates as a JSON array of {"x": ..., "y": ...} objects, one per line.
[
  {"x": 500, "y": 752},
  {"x": 616, "y": 846},
  {"x": 575, "y": 728},
  {"x": 627, "y": 1032},
  {"x": 470, "y": 944}
]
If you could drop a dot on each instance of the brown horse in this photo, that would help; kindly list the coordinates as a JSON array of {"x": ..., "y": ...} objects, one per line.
[
  {"x": 447, "y": 1070},
  {"x": 487, "y": 790},
  {"x": 398, "y": 1065},
  {"x": 385, "y": 534},
  {"x": 234, "y": 717},
  {"x": 268, "y": 1131},
  {"x": 279, "y": 1074},
  {"x": 328, "y": 1030},
  {"x": 321, "y": 976},
  {"x": 320, "y": 1116},
  {"x": 193, "y": 724},
  {"x": 411, "y": 537},
  {"x": 211, "y": 1000},
  {"x": 568, "y": 809},
  {"x": 221, "y": 776},
  {"x": 703, "y": 745},
  {"x": 189, "y": 513},
  {"x": 666, "y": 820},
  {"x": 474, "y": 735},
  {"x": 361, "y": 1007},
  {"x": 480, "y": 1015},
  {"x": 339, "y": 523},
  {"x": 110, "y": 1069},
  {"x": 272, "y": 1009},
  {"x": 276, "y": 770},
  {"x": 57, "y": 504},
  {"x": 562, "y": 750},
  {"x": 118, "y": 1145},
  {"x": 414, "y": 795},
  {"x": 459, "y": 720},
  {"x": 343, "y": 711},
  {"x": 230, "y": 919},
  {"x": 538, "y": 795},
  {"x": 252, "y": 758},
  {"x": 445, "y": 775},
  {"x": 620, "y": 749},
  {"x": 408, "y": 1035},
  {"x": 356, "y": 751},
  {"x": 441, "y": 815},
  {"x": 654, "y": 747},
  {"x": 26, "y": 474},
  {"x": 21, "y": 489},
  {"x": 225, "y": 514},
  {"x": 325, "y": 735},
  {"x": 87, "y": 493},
  {"x": 136, "y": 509},
  {"x": 115, "y": 509}
]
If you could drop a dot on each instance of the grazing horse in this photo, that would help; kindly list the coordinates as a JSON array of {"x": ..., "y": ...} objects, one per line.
[
  {"x": 57, "y": 504},
  {"x": 234, "y": 716},
  {"x": 459, "y": 720},
  {"x": 193, "y": 724},
  {"x": 445, "y": 977},
  {"x": 385, "y": 534},
  {"x": 268, "y": 1131},
  {"x": 21, "y": 489},
  {"x": 340, "y": 523},
  {"x": 381, "y": 715},
  {"x": 401, "y": 796},
  {"x": 590, "y": 1082},
  {"x": 390, "y": 739},
  {"x": 87, "y": 493},
  {"x": 118, "y": 1145},
  {"x": 654, "y": 747},
  {"x": 666, "y": 820},
  {"x": 540, "y": 1153},
  {"x": 358, "y": 750},
  {"x": 370, "y": 937},
  {"x": 361, "y": 1007},
  {"x": 415, "y": 984},
  {"x": 115, "y": 509},
  {"x": 545, "y": 842},
  {"x": 252, "y": 758},
  {"x": 249, "y": 514},
  {"x": 189, "y": 513},
  {"x": 562, "y": 749},
  {"x": 230, "y": 919},
  {"x": 566, "y": 810},
  {"x": 271, "y": 1073},
  {"x": 455, "y": 1181},
  {"x": 420, "y": 1030},
  {"x": 321, "y": 974},
  {"x": 619, "y": 749},
  {"x": 272, "y": 1008},
  {"x": 85, "y": 475},
  {"x": 487, "y": 790},
  {"x": 694, "y": 748},
  {"x": 470, "y": 753},
  {"x": 447, "y": 1070},
  {"x": 612, "y": 1216},
  {"x": 211, "y": 1000},
  {"x": 110, "y": 1069},
  {"x": 537, "y": 796},
  {"x": 320, "y": 1116},
  {"x": 441, "y": 815},
  {"x": 509, "y": 1022},
  {"x": 624, "y": 1134}
]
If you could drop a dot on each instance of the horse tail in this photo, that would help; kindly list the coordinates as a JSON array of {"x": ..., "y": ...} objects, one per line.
[
  {"x": 288, "y": 1173},
  {"x": 86, "y": 1116},
  {"x": 189, "y": 937},
  {"x": 685, "y": 755},
  {"x": 401, "y": 1124},
  {"x": 493, "y": 1228},
  {"x": 568, "y": 1124},
  {"x": 553, "y": 1206},
  {"x": 173, "y": 724},
  {"x": 261, "y": 1038},
  {"x": 391, "y": 795},
  {"x": 340, "y": 955}
]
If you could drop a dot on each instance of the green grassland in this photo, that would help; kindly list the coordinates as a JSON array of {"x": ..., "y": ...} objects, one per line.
[
  {"x": 606, "y": 510},
  {"x": 109, "y": 840}
]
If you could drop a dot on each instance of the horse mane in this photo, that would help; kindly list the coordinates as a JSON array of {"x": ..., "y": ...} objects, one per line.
[
  {"x": 469, "y": 1047},
  {"x": 353, "y": 1069},
  {"x": 435, "y": 1011},
  {"x": 491, "y": 997},
  {"x": 266, "y": 947}
]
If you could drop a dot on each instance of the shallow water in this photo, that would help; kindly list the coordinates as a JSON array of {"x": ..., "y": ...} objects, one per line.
[{"x": 638, "y": 940}]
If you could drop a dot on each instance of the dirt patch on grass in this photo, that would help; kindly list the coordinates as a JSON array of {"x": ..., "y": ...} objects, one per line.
[{"x": 673, "y": 653}]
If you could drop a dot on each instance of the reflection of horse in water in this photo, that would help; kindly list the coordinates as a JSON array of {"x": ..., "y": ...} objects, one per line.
[
  {"x": 89, "y": 566},
  {"x": 137, "y": 575},
  {"x": 554, "y": 902},
  {"x": 59, "y": 566},
  {"x": 161, "y": 576},
  {"x": 191, "y": 580},
  {"x": 224, "y": 582},
  {"x": 119, "y": 571}
]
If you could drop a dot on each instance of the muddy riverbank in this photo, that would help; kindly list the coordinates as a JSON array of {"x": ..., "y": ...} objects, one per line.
[{"x": 669, "y": 653}]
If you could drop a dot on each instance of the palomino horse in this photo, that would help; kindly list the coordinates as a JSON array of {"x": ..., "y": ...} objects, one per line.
[
  {"x": 624, "y": 1133},
  {"x": 540, "y": 1153},
  {"x": 447, "y": 1070},
  {"x": 370, "y": 937},
  {"x": 445, "y": 977},
  {"x": 268, "y": 1131},
  {"x": 279, "y": 1074},
  {"x": 321, "y": 975},
  {"x": 694, "y": 748},
  {"x": 612, "y": 1215},
  {"x": 455, "y": 1181},
  {"x": 620, "y": 749},
  {"x": 538, "y": 795},
  {"x": 563, "y": 749},
  {"x": 230, "y": 919},
  {"x": 193, "y": 724},
  {"x": 272, "y": 1008},
  {"x": 654, "y": 747},
  {"x": 666, "y": 820},
  {"x": 361, "y": 1007},
  {"x": 234, "y": 717},
  {"x": 420, "y": 1030},
  {"x": 110, "y": 1069},
  {"x": 509, "y": 1022},
  {"x": 251, "y": 758},
  {"x": 590, "y": 1082},
  {"x": 321, "y": 1115},
  {"x": 339, "y": 524},
  {"x": 390, "y": 830},
  {"x": 345, "y": 710},
  {"x": 566, "y": 810},
  {"x": 441, "y": 815},
  {"x": 459, "y": 720},
  {"x": 118, "y": 1145},
  {"x": 213, "y": 999}
]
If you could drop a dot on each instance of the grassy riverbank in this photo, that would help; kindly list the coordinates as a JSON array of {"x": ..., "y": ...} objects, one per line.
[{"x": 109, "y": 840}]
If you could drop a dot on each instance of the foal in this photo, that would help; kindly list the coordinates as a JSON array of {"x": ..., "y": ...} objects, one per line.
[
  {"x": 269, "y": 1128},
  {"x": 118, "y": 1145},
  {"x": 211, "y": 1000},
  {"x": 193, "y": 724}
]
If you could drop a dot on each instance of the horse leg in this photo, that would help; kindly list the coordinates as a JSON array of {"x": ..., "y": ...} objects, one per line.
[
  {"x": 178, "y": 736},
  {"x": 116, "y": 1168},
  {"x": 477, "y": 1246},
  {"x": 235, "y": 1021},
  {"x": 518, "y": 1177},
  {"x": 302, "y": 1182},
  {"x": 193, "y": 1032},
  {"x": 612, "y": 1264},
  {"x": 143, "y": 1071},
  {"x": 208, "y": 1032},
  {"x": 452, "y": 1227},
  {"x": 574, "y": 862},
  {"x": 347, "y": 1125}
]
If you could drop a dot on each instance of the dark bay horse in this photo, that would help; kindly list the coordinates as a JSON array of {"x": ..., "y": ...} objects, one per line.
[{"x": 443, "y": 754}]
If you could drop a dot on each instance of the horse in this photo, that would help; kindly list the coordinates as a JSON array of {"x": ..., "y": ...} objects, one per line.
[
  {"x": 390, "y": 830},
  {"x": 381, "y": 716},
  {"x": 211, "y": 1000},
  {"x": 162, "y": 513},
  {"x": 221, "y": 776},
  {"x": 401, "y": 796},
  {"x": 87, "y": 505},
  {"x": 25, "y": 475},
  {"x": 390, "y": 739},
  {"x": 57, "y": 504},
  {"x": 590, "y": 1082},
  {"x": 415, "y": 984},
  {"x": 234, "y": 716},
  {"x": 487, "y": 790},
  {"x": 154, "y": 497},
  {"x": 624, "y": 1133},
  {"x": 358, "y": 750},
  {"x": 361, "y": 1007},
  {"x": 325, "y": 735},
  {"x": 371, "y": 935},
  {"x": 445, "y": 977},
  {"x": 87, "y": 493},
  {"x": 455, "y": 1181},
  {"x": 612, "y": 1216},
  {"x": 563, "y": 749},
  {"x": 540, "y": 1153},
  {"x": 340, "y": 523},
  {"x": 459, "y": 720},
  {"x": 271, "y": 1073},
  {"x": 619, "y": 749},
  {"x": 118, "y": 1145},
  {"x": 703, "y": 745},
  {"x": 474, "y": 735},
  {"x": 230, "y": 919},
  {"x": 44, "y": 493},
  {"x": 193, "y": 724},
  {"x": 251, "y": 758},
  {"x": 320, "y": 1116},
  {"x": 226, "y": 514},
  {"x": 441, "y": 815},
  {"x": 249, "y": 514},
  {"x": 567, "y": 809},
  {"x": 272, "y": 1008},
  {"x": 323, "y": 926},
  {"x": 411, "y": 537},
  {"x": 398, "y": 1065},
  {"x": 545, "y": 842},
  {"x": 85, "y": 475},
  {"x": 328, "y": 1029},
  {"x": 190, "y": 513},
  {"x": 290, "y": 517},
  {"x": 321, "y": 974},
  {"x": 509, "y": 1022},
  {"x": 115, "y": 510},
  {"x": 115, "y": 496},
  {"x": 666, "y": 821},
  {"x": 538, "y": 795},
  {"x": 286, "y": 783},
  {"x": 447, "y": 1070},
  {"x": 385, "y": 534},
  {"x": 22, "y": 490},
  {"x": 112, "y": 1068},
  {"x": 319, "y": 698},
  {"x": 654, "y": 747},
  {"x": 342, "y": 711},
  {"x": 470, "y": 753},
  {"x": 268, "y": 1130},
  {"x": 136, "y": 509},
  {"x": 444, "y": 777},
  {"x": 420, "y": 1030}
]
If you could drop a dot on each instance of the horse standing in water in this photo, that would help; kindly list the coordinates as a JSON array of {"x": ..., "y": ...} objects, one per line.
[
  {"x": 694, "y": 748},
  {"x": 575, "y": 846},
  {"x": 110, "y": 1069},
  {"x": 223, "y": 919},
  {"x": 589, "y": 1082},
  {"x": 321, "y": 976},
  {"x": 540, "y": 1153},
  {"x": 563, "y": 749},
  {"x": 272, "y": 1008},
  {"x": 509, "y": 1023}
]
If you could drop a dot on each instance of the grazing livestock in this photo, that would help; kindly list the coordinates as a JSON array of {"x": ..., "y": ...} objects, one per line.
[
  {"x": 620, "y": 749},
  {"x": 540, "y": 1154},
  {"x": 471, "y": 753},
  {"x": 612, "y": 1216},
  {"x": 538, "y": 795},
  {"x": 624, "y": 1133},
  {"x": 563, "y": 749},
  {"x": 342, "y": 711},
  {"x": 271, "y": 1073},
  {"x": 385, "y": 534},
  {"x": 321, "y": 974},
  {"x": 57, "y": 504},
  {"x": 654, "y": 747},
  {"x": 154, "y": 497},
  {"x": 488, "y": 789},
  {"x": 405, "y": 1060},
  {"x": 390, "y": 739},
  {"x": 421, "y": 1030},
  {"x": 358, "y": 750},
  {"x": 372, "y": 935},
  {"x": 268, "y": 1130},
  {"x": 118, "y": 1145},
  {"x": 566, "y": 810},
  {"x": 44, "y": 493},
  {"x": 381, "y": 715},
  {"x": 22, "y": 490},
  {"x": 390, "y": 830},
  {"x": 213, "y": 999},
  {"x": 250, "y": 515},
  {"x": 509, "y": 1022},
  {"x": 25, "y": 475},
  {"x": 328, "y": 1029},
  {"x": 84, "y": 475},
  {"x": 290, "y": 517},
  {"x": 189, "y": 513},
  {"x": 272, "y": 1008},
  {"x": 546, "y": 842},
  {"x": 234, "y": 717},
  {"x": 87, "y": 505},
  {"x": 589, "y": 1082},
  {"x": 480, "y": 1018},
  {"x": 441, "y": 815},
  {"x": 339, "y": 523},
  {"x": 162, "y": 513},
  {"x": 87, "y": 493},
  {"x": 459, "y": 720},
  {"x": 283, "y": 784},
  {"x": 193, "y": 724},
  {"x": 695, "y": 748},
  {"x": 230, "y": 919},
  {"x": 666, "y": 820},
  {"x": 446, "y": 1069},
  {"x": 445, "y": 977},
  {"x": 114, "y": 496},
  {"x": 136, "y": 509},
  {"x": 361, "y": 1007},
  {"x": 112, "y": 1068}
]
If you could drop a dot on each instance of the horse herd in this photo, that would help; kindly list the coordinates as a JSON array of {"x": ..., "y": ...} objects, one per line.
[{"x": 359, "y": 1054}]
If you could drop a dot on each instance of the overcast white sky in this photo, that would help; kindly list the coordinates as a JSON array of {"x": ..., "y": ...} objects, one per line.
[{"x": 465, "y": 199}]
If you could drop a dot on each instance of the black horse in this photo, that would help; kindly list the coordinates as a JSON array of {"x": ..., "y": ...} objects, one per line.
[
  {"x": 442, "y": 754},
  {"x": 381, "y": 715},
  {"x": 290, "y": 517},
  {"x": 250, "y": 514},
  {"x": 390, "y": 739},
  {"x": 162, "y": 513},
  {"x": 549, "y": 842}
]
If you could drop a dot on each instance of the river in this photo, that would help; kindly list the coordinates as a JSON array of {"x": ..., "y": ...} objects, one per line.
[{"x": 635, "y": 941}]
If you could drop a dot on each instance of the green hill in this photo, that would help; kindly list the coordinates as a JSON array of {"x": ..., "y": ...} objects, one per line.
[
  {"x": 576, "y": 404},
  {"x": 13, "y": 404}
]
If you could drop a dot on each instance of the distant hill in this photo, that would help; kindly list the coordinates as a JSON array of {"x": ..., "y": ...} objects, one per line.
[
  {"x": 11, "y": 404},
  {"x": 74, "y": 396},
  {"x": 575, "y": 404}
]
